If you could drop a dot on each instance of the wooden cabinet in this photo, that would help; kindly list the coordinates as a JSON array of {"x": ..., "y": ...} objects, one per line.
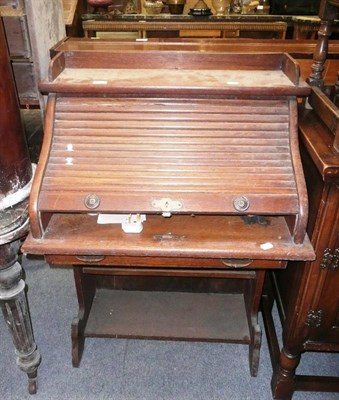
[
  {"x": 308, "y": 296},
  {"x": 308, "y": 293},
  {"x": 32, "y": 27}
]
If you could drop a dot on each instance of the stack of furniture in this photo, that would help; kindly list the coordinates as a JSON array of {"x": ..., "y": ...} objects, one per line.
[{"x": 32, "y": 27}]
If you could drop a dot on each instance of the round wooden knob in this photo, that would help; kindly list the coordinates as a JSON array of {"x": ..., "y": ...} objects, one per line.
[
  {"x": 92, "y": 201},
  {"x": 241, "y": 203}
]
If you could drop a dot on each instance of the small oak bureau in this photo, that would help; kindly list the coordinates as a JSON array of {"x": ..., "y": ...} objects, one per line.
[{"x": 172, "y": 182}]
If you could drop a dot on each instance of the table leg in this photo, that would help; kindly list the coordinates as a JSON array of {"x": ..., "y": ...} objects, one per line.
[
  {"x": 16, "y": 313},
  {"x": 85, "y": 293},
  {"x": 283, "y": 379},
  {"x": 327, "y": 14},
  {"x": 253, "y": 293}
]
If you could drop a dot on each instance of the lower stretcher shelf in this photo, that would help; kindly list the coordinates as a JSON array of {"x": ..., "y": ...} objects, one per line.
[{"x": 163, "y": 315}]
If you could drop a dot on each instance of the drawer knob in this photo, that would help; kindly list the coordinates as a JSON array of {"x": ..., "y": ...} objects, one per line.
[
  {"x": 241, "y": 203},
  {"x": 92, "y": 201}
]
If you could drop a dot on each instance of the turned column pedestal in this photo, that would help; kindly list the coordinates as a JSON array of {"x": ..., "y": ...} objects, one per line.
[{"x": 15, "y": 183}]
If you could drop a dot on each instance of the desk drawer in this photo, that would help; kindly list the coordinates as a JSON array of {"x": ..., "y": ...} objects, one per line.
[
  {"x": 164, "y": 262},
  {"x": 17, "y": 36},
  {"x": 25, "y": 82}
]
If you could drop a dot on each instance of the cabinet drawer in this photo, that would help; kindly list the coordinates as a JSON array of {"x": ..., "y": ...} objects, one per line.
[
  {"x": 12, "y": 3},
  {"x": 17, "y": 36},
  {"x": 25, "y": 81},
  {"x": 164, "y": 262}
]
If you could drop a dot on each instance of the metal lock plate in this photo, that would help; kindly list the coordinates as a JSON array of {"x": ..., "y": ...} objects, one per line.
[{"x": 167, "y": 205}]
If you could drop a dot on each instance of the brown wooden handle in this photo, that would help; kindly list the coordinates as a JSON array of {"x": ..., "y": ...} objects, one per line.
[
  {"x": 90, "y": 259},
  {"x": 236, "y": 262}
]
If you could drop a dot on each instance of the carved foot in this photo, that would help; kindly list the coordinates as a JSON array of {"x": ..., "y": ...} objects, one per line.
[
  {"x": 33, "y": 382},
  {"x": 29, "y": 363}
]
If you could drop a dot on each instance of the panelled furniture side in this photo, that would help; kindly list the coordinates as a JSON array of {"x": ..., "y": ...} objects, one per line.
[
  {"x": 308, "y": 296},
  {"x": 308, "y": 293}
]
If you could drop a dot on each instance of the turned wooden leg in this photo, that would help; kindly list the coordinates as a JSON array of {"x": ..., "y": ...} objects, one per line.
[
  {"x": 283, "y": 379},
  {"x": 15, "y": 310},
  {"x": 316, "y": 77},
  {"x": 327, "y": 14},
  {"x": 85, "y": 293},
  {"x": 16, "y": 178}
]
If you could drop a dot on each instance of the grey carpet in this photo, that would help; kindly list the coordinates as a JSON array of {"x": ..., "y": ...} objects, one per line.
[{"x": 132, "y": 369}]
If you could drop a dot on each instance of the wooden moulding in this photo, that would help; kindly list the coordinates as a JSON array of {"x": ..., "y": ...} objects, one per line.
[
  {"x": 34, "y": 212},
  {"x": 299, "y": 223}
]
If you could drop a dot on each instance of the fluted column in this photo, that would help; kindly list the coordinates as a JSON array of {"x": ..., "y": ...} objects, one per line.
[{"x": 15, "y": 182}]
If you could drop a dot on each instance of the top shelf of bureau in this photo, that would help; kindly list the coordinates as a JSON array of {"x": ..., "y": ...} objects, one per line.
[{"x": 165, "y": 71}]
